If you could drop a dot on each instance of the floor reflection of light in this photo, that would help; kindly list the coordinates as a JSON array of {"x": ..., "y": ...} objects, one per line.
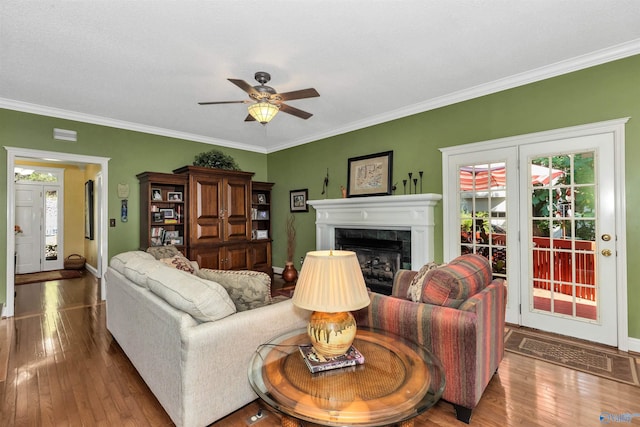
[
  {"x": 51, "y": 299},
  {"x": 24, "y": 375}
]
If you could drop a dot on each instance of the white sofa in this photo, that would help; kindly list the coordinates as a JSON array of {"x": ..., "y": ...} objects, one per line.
[{"x": 196, "y": 369}]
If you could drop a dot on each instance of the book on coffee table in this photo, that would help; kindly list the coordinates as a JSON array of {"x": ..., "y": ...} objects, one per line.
[{"x": 318, "y": 363}]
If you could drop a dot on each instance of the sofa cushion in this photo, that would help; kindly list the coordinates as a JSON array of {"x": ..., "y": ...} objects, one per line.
[
  {"x": 452, "y": 284},
  {"x": 247, "y": 289},
  {"x": 204, "y": 300},
  {"x": 179, "y": 262},
  {"x": 137, "y": 270},
  {"x": 118, "y": 261},
  {"x": 414, "y": 292},
  {"x": 160, "y": 252}
]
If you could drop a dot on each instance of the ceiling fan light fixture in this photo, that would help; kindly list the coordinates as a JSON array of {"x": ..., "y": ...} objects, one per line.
[{"x": 263, "y": 111}]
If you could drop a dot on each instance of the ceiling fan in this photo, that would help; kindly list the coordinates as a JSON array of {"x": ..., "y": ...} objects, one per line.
[{"x": 267, "y": 101}]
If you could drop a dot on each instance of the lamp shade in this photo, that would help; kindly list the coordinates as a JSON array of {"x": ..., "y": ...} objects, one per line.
[
  {"x": 263, "y": 111},
  {"x": 331, "y": 282}
]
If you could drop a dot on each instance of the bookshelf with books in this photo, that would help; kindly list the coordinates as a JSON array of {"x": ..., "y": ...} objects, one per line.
[
  {"x": 261, "y": 226},
  {"x": 162, "y": 210}
]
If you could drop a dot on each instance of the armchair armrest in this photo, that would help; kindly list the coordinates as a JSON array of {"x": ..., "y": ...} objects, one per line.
[
  {"x": 469, "y": 341},
  {"x": 401, "y": 282}
]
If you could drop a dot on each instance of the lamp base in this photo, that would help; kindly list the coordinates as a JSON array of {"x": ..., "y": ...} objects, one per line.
[{"x": 331, "y": 334}]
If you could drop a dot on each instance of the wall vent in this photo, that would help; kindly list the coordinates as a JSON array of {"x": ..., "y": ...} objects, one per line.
[{"x": 65, "y": 135}]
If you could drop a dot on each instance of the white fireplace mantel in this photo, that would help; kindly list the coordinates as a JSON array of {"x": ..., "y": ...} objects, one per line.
[{"x": 413, "y": 212}]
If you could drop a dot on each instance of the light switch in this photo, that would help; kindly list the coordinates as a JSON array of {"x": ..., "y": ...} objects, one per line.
[{"x": 112, "y": 222}]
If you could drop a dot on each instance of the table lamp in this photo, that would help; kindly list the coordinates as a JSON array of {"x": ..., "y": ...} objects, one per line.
[{"x": 331, "y": 285}]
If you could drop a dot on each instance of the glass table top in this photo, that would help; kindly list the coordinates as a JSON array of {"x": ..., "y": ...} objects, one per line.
[{"x": 398, "y": 381}]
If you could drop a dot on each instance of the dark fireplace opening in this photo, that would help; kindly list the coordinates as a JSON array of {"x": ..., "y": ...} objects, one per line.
[{"x": 381, "y": 253}]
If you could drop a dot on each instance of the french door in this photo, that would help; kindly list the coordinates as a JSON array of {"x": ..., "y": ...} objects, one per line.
[
  {"x": 544, "y": 214},
  {"x": 569, "y": 272},
  {"x": 487, "y": 221}
]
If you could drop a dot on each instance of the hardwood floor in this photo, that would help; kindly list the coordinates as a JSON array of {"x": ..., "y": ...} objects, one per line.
[{"x": 64, "y": 368}]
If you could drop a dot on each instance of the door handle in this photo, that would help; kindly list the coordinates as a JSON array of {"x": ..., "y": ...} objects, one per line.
[{"x": 606, "y": 252}]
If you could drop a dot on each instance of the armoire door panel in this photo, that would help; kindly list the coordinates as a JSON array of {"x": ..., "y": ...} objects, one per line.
[
  {"x": 237, "y": 200},
  {"x": 207, "y": 258},
  {"x": 207, "y": 200},
  {"x": 205, "y": 232},
  {"x": 237, "y": 231},
  {"x": 236, "y": 258}
]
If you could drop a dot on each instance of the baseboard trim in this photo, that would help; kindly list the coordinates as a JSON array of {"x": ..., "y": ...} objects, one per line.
[
  {"x": 634, "y": 344},
  {"x": 91, "y": 269}
]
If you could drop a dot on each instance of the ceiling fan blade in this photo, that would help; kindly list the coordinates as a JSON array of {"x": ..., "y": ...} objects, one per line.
[
  {"x": 295, "y": 111},
  {"x": 298, "y": 94},
  {"x": 246, "y": 87},
  {"x": 249, "y": 118},
  {"x": 223, "y": 102}
]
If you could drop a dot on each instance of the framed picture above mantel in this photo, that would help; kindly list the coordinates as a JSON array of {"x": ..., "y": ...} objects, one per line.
[{"x": 370, "y": 175}]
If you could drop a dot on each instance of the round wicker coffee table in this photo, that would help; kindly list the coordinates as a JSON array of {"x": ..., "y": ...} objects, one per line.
[{"x": 398, "y": 381}]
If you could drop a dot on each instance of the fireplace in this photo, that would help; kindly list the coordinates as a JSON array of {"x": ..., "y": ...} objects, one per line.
[
  {"x": 381, "y": 253},
  {"x": 378, "y": 218}
]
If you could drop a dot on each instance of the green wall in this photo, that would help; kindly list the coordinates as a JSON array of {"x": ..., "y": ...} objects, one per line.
[
  {"x": 605, "y": 92},
  {"x": 130, "y": 153},
  {"x": 600, "y": 93}
]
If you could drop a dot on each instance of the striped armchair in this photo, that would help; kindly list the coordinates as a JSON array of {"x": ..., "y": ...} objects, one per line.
[{"x": 459, "y": 316}]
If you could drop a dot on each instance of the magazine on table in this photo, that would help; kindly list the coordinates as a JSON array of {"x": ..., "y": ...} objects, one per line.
[{"x": 318, "y": 363}]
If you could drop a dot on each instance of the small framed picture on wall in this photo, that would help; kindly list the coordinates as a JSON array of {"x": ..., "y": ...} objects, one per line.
[{"x": 298, "y": 200}]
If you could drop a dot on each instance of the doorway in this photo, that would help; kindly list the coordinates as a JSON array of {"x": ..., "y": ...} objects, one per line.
[
  {"x": 544, "y": 209},
  {"x": 39, "y": 213},
  {"x": 101, "y": 201}
]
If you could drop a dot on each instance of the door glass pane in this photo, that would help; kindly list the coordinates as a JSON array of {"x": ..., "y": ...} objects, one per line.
[
  {"x": 563, "y": 247},
  {"x": 51, "y": 225},
  {"x": 483, "y": 217}
]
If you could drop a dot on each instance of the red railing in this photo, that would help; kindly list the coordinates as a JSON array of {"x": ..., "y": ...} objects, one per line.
[{"x": 560, "y": 260}]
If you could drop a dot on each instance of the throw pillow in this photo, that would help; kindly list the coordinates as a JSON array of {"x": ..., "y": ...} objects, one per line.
[
  {"x": 137, "y": 270},
  {"x": 120, "y": 260},
  {"x": 179, "y": 262},
  {"x": 160, "y": 252},
  {"x": 460, "y": 279},
  {"x": 414, "y": 292},
  {"x": 204, "y": 300},
  {"x": 247, "y": 289}
]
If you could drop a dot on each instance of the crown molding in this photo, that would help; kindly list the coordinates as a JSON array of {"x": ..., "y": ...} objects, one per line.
[
  {"x": 592, "y": 59},
  {"x": 59, "y": 113}
]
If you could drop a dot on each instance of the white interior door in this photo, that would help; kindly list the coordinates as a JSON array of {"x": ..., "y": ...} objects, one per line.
[
  {"x": 28, "y": 217},
  {"x": 568, "y": 218}
]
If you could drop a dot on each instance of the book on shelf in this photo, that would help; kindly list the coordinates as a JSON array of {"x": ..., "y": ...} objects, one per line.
[{"x": 318, "y": 363}]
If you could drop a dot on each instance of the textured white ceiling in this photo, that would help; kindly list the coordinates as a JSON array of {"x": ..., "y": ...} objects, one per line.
[{"x": 144, "y": 65}]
